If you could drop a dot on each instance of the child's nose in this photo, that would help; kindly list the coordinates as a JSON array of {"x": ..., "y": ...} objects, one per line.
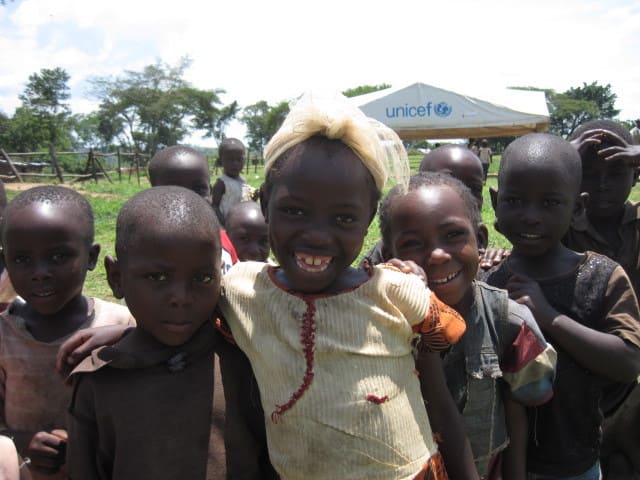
[
  {"x": 180, "y": 294},
  {"x": 316, "y": 234},
  {"x": 40, "y": 271},
  {"x": 438, "y": 256},
  {"x": 530, "y": 214}
]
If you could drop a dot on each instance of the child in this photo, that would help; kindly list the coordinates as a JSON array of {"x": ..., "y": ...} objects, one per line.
[
  {"x": 330, "y": 345},
  {"x": 611, "y": 226},
  {"x": 142, "y": 408},
  {"x": 230, "y": 188},
  {"x": 247, "y": 230},
  {"x": 486, "y": 157},
  {"x": 188, "y": 168},
  {"x": 583, "y": 303},
  {"x": 47, "y": 235},
  {"x": 460, "y": 163},
  {"x": 437, "y": 225},
  {"x": 330, "y": 348},
  {"x": 7, "y": 293}
]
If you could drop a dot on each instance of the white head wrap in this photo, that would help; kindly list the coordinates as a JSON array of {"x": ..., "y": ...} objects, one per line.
[{"x": 378, "y": 147}]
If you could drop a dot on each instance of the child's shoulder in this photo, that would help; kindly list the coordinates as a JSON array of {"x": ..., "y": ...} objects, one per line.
[{"x": 109, "y": 313}]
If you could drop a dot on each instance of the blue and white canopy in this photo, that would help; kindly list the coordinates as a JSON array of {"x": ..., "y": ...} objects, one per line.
[{"x": 421, "y": 111}]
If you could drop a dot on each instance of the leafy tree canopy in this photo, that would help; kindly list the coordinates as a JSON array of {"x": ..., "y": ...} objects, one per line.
[
  {"x": 157, "y": 106},
  {"x": 262, "y": 122},
  {"x": 362, "y": 89},
  {"x": 577, "y": 105}
]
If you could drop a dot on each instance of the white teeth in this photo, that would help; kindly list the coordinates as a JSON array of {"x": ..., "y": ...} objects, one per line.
[
  {"x": 446, "y": 279},
  {"x": 314, "y": 264},
  {"x": 530, "y": 236}
]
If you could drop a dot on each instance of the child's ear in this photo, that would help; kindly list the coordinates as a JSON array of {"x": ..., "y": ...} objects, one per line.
[
  {"x": 114, "y": 276},
  {"x": 493, "y": 194},
  {"x": 264, "y": 203},
  {"x": 482, "y": 236},
  {"x": 580, "y": 208},
  {"x": 94, "y": 251}
]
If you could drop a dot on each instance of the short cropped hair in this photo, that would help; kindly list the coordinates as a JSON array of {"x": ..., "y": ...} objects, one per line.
[
  {"x": 230, "y": 144},
  {"x": 543, "y": 148},
  {"x": 54, "y": 195},
  {"x": 163, "y": 158},
  {"x": 428, "y": 179},
  {"x": 603, "y": 124},
  {"x": 168, "y": 208}
]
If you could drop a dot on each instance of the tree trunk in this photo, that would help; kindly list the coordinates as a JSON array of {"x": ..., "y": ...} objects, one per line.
[{"x": 54, "y": 162}]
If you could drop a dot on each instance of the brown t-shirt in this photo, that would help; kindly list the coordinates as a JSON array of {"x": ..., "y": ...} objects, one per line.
[
  {"x": 564, "y": 434},
  {"x": 144, "y": 410},
  {"x": 582, "y": 236}
]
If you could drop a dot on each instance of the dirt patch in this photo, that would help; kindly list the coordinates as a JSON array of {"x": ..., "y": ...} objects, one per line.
[{"x": 19, "y": 187}]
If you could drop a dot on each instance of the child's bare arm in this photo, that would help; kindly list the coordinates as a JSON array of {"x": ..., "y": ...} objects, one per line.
[
  {"x": 217, "y": 191},
  {"x": 514, "y": 462},
  {"x": 604, "y": 354},
  {"x": 445, "y": 419},
  {"x": 629, "y": 154},
  {"x": 81, "y": 343}
]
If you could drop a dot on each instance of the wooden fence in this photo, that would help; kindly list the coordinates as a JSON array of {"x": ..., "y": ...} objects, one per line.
[{"x": 18, "y": 166}]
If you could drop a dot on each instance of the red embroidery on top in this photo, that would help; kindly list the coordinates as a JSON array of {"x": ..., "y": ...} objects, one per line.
[
  {"x": 308, "y": 340},
  {"x": 377, "y": 400}
]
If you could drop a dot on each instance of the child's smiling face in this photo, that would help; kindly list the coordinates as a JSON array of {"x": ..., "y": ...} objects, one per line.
[
  {"x": 534, "y": 206},
  {"x": 232, "y": 160},
  {"x": 431, "y": 226},
  {"x": 47, "y": 252},
  {"x": 318, "y": 210}
]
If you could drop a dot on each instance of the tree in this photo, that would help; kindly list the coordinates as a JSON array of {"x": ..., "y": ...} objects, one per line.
[
  {"x": 262, "y": 122},
  {"x": 44, "y": 99},
  {"x": 577, "y": 105},
  {"x": 157, "y": 106},
  {"x": 362, "y": 89}
]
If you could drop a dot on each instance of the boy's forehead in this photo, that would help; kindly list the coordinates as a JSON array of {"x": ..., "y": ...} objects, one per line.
[{"x": 46, "y": 215}]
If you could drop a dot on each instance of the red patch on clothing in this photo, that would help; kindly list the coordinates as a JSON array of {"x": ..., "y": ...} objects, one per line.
[
  {"x": 377, "y": 400},
  {"x": 524, "y": 349}
]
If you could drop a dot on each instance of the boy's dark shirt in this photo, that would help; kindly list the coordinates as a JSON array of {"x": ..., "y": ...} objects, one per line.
[
  {"x": 582, "y": 236},
  {"x": 143, "y": 410},
  {"x": 564, "y": 434}
]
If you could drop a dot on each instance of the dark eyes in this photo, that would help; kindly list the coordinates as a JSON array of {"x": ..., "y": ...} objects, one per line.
[
  {"x": 163, "y": 277},
  {"x": 203, "y": 278},
  {"x": 345, "y": 219},
  {"x": 293, "y": 211},
  {"x": 156, "y": 276},
  {"x": 20, "y": 259}
]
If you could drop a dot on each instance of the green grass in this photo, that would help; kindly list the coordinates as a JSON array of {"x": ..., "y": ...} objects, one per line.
[{"x": 106, "y": 200}]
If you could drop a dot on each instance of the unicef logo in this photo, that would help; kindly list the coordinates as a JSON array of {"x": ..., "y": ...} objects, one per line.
[{"x": 442, "y": 109}]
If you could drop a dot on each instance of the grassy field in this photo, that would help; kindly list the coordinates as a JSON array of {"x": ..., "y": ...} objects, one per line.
[{"x": 106, "y": 200}]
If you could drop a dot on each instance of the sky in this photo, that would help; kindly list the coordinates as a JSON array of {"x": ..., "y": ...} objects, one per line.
[{"x": 275, "y": 50}]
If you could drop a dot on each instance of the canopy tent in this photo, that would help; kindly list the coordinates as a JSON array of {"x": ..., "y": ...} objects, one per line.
[{"x": 422, "y": 111}]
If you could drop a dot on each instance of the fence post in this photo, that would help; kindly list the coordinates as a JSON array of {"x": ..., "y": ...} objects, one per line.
[
  {"x": 11, "y": 165},
  {"x": 54, "y": 162},
  {"x": 119, "y": 166}
]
